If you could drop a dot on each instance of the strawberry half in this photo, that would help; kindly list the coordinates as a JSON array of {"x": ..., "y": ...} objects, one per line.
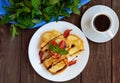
[
  {"x": 62, "y": 44},
  {"x": 67, "y": 32},
  {"x": 72, "y": 62},
  {"x": 41, "y": 55},
  {"x": 54, "y": 43}
]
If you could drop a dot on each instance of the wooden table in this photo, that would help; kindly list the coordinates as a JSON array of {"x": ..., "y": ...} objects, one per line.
[{"x": 103, "y": 65}]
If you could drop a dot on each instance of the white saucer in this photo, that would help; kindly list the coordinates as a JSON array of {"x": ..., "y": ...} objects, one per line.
[{"x": 86, "y": 19}]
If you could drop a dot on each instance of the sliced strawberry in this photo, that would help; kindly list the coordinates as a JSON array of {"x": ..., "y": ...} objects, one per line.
[
  {"x": 67, "y": 32},
  {"x": 56, "y": 55},
  {"x": 54, "y": 43},
  {"x": 62, "y": 44},
  {"x": 72, "y": 62},
  {"x": 41, "y": 55}
]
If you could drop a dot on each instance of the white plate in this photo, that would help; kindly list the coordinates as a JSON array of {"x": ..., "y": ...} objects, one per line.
[
  {"x": 70, "y": 72},
  {"x": 86, "y": 19}
]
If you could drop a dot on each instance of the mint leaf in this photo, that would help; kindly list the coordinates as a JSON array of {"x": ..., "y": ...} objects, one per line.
[
  {"x": 19, "y": 4},
  {"x": 76, "y": 10},
  {"x": 36, "y": 20},
  {"x": 57, "y": 49},
  {"x": 11, "y": 2},
  {"x": 28, "y": 12},
  {"x": 12, "y": 17},
  {"x": 26, "y": 21},
  {"x": 52, "y": 2},
  {"x": 28, "y": 3},
  {"x": 51, "y": 46},
  {"x": 49, "y": 10},
  {"x": 14, "y": 31},
  {"x": 36, "y": 3},
  {"x": 18, "y": 12},
  {"x": 5, "y": 19},
  {"x": 46, "y": 17},
  {"x": 63, "y": 52},
  {"x": 26, "y": 9},
  {"x": 20, "y": 26},
  {"x": 64, "y": 13}
]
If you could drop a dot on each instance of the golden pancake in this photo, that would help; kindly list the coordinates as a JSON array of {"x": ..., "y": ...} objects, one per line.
[
  {"x": 47, "y": 37},
  {"x": 76, "y": 44},
  {"x": 54, "y": 65}
]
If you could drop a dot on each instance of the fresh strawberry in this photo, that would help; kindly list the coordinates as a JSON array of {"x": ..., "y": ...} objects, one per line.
[
  {"x": 41, "y": 55},
  {"x": 56, "y": 55},
  {"x": 67, "y": 32},
  {"x": 62, "y": 44},
  {"x": 72, "y": 62},
  {"x": 54, "y": 43}
]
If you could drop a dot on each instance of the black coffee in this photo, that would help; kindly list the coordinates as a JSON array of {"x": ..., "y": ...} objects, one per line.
[{"x": 101, "y": 22}]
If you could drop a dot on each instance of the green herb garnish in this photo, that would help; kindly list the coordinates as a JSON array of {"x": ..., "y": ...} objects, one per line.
[
  {"x": 28, "y": 12},
  {"x": 14, "y": 31},
  {"x": 57, "y": 49}
]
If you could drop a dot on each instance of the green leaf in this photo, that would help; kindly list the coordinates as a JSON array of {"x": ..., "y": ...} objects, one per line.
[
  {"x": 36, "y": 20},
  {"x": 51, "y": 46},
  {"x": 63, "y": 52},
  {"x": 52, "y": 2},
  {"x": 20, "y": 26},
  {"x": 49, "y": 10},
  {"x": 79, "y": 4},
  {"x": 26, "y": 21},
  {"x": 14, "y": 31},
  {"x": 28, "y": 12},
  {"x": 12, "y": 17},
  {"x": 26, "y": 9},
  {"x": 57, "y": 49},
  {"x": 36, "y": 3},
  {"x": 35, "y": 13},
  {"x": 46, "y": 17},
  {"x": 19, "y": 4},
  {"x": 38, "y": 12},
  {"x": 17, "y": 1},
  {"x": 76, "y": 10},
  {"x": 11, "y": 2},
  {"x": 65, "y": 13},
  {"x": 18, "y": 12},
  {"x": 5, "y": 19},
  {"x": 43, "y": 2},
  {"x": 28, "y": 3},
  {"x": 76, "y": 2},
  {"x": 9, "y": 9},
  {"x": 57, "y": 16}
]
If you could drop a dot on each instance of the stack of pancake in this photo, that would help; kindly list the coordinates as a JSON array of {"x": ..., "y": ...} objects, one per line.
[{"x": 74, "y": 45}]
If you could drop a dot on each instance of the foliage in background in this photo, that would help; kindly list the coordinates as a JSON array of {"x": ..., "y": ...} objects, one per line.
[{"x": 28, "y": 12}]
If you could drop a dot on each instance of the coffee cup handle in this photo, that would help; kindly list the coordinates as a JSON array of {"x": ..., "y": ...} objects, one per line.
[{"x": 110, "y": 34}]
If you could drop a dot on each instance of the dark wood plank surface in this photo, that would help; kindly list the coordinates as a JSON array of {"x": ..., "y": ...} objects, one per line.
[
  {"x": 116, "y": 48},
  {"x": 99, "y": 65},
  {"x": 103, "y": 65},
  {"x": 10, "y": 53}
]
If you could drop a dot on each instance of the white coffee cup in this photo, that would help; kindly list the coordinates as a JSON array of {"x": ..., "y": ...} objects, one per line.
[{"x": 108, "y": 31}]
